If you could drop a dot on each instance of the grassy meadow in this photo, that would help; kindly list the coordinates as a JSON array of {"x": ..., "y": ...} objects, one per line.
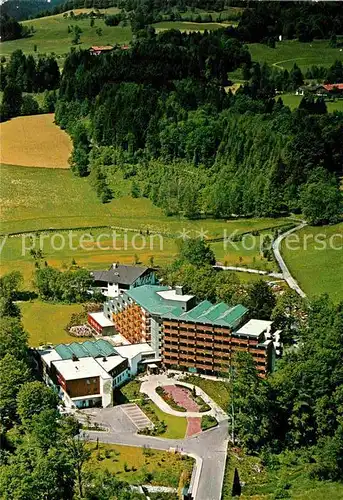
[
  {"x": 51, "y": 35},
  {"x": 140, "y": 466},
  {"x": 315, "y": 262},
  {"x": 293, "y": 101},
  {"x": 219, "y": 391},
  {"x": 33, "y": 199},
  {"x": 34, "y": 141},
  {"x": 245, "y": 253},
  {"x": 188, "y": 26},
  {"x": 289, "y": 52},
  {"x": 45, "y": 322}
]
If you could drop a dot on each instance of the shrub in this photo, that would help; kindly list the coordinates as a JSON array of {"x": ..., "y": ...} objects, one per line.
[{"x": 207, "y": 422}]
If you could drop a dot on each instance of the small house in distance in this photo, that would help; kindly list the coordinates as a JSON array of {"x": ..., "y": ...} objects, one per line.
[
  {"x": 96, "y": 50},
  {"x": 122, "y": 277}
]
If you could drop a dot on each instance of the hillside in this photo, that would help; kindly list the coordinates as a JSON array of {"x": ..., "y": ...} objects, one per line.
[{"x": 51, "y": 35}]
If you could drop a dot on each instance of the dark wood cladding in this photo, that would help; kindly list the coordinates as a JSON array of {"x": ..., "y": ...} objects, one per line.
[{"x": 83, "y": 387}]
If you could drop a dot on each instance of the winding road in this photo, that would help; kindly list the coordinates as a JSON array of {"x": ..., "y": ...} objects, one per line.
[
  {"x": 292, "y": 283},
  {"x": 208, "y": 448},
  {"x": 285, "y": 272}
]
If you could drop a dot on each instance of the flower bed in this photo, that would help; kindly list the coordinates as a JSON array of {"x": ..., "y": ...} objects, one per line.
[
  {"x": 169, "y": 400},
  {"x": 203, "y": 407}
]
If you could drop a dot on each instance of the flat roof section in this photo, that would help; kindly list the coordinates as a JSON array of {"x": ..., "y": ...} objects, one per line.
[
  {"x": 132, "y": 350},
  {"x": 172, "y": 295},
  {"x": 82, "y": 368},
  {"x": 101, "y": 319},
  {"x": 254, "y": 327},
  {"x": 109, "y": 363}
]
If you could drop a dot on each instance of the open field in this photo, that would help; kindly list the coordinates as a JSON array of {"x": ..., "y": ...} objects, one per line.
[
  {"x": 289, "y": 481},
  {"x": 245, "y": 253},
  {"x": 45, "y": 322},
  {"x": 289, "y": 52},
  {"x": 111, "y": 246},
  {"x": 188, "y": 26},
  {"x": 317, "y": 260},
  {"x": 140, "y": 466},
  {"x": 33, "y": 199},
  {"x": 293, "y": 102},
  {"x": 51, "y": 35},
  {"x": 34, "y": 141},
  {"x": 233, "y": 12}
]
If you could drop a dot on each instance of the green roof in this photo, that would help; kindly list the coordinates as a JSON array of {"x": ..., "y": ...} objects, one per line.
[
  {"x": 207, "y": 313},
  {"x": 95, "y": 349},
  {"x": 147, "y": 297},
  {"x": 214, "y": 314}
]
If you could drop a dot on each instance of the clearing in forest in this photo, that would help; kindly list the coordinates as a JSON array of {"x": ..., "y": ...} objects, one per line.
[{"x": 34, "y": 141}]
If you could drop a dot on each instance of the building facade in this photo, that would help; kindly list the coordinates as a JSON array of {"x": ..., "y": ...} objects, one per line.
[
  {"x": 85, "y": 375},
  {"x": 200, "y": 338}
]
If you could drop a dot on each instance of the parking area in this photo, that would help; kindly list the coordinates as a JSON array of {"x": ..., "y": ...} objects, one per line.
[
  {"x": 124, "y": 418},
  {"x": 137, "y": 416}
]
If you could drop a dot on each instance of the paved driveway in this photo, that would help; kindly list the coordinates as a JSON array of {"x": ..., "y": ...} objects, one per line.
[{"x": 114, "y": 419}]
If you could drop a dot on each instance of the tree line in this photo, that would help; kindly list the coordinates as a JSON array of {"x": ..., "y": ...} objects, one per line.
[
  {"x": 10, "y": 29},
  {"x": 23, "y": 74}
]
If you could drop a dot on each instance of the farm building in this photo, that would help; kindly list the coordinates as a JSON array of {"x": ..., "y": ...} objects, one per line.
[
  {"x": 96, "y": 50},
  {"x": 122, "y": 277}
]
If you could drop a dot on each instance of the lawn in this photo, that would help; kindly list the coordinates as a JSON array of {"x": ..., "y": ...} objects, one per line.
[
  {"x": 289, "y": 52},
  {"x": 315, "y": 262},
  {"x": 141, "y": 465},
  {"x": 217, "y": 390},
  {"x": 51, "y": 35},
  {"x": 293, "y": 102},
  {"x": 34, "y": 141},
  {"x": 45, "y": 322}
]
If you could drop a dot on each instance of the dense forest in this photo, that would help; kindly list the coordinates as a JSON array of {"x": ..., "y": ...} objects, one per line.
[
  {"x": 25, "y": 74},
  {"x": 158, "y": 113}
]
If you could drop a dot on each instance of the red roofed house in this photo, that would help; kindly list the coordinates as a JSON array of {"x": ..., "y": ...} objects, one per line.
[
  {"x": 334, "y": 87},
  {"x": 96, "y": 50}
]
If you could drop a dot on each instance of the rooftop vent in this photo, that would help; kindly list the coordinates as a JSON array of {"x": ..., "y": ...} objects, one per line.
[
  {"x": 179, "y": 290},
  {"x": 104, "y": 359},
  {"x": 74, "y": 357}
]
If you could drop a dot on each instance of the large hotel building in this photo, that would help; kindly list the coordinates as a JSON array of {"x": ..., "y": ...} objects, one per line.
[{"x": 201, "y": 338}]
